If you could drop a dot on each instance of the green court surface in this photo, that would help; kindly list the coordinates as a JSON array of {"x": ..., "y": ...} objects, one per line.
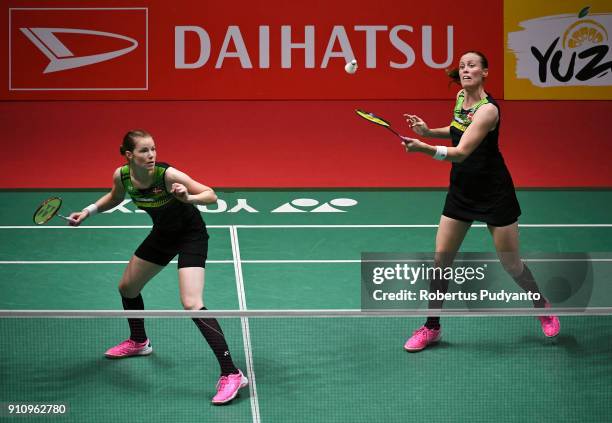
[{"x": 293, "y": 250}]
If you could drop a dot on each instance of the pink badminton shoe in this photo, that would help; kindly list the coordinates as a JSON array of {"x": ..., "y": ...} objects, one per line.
[
  {"x": 228, "y": 387},
  {"x": 421, "y": 338},
  {"x": 129, "y": 348},
  {"x": 550, "y": 324}
]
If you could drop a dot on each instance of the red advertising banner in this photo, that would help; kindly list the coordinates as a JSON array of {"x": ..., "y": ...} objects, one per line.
[
  {"x": 203, "y": 50},
  {"x": 67, "y": 57}
]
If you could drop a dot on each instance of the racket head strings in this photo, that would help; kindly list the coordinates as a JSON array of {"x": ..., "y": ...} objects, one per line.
[
  {"x": 372, "y": 118},
  {"x": 47, "y": 210}
]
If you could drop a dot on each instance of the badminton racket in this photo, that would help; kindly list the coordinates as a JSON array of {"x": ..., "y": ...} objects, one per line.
[
  {"x": 47, "y": 210},
  {"x": 371, "y": 117}
]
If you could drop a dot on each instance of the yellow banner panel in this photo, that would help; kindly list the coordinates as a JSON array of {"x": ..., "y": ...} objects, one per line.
[{"x": 558, "y": 50}]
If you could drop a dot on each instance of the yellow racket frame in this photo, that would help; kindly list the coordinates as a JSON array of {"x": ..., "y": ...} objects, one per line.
[{"x": 371, "y": 117}]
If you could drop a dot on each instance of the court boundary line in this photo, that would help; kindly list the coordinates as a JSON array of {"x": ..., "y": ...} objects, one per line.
[
  {"x": 95, "y": 262},
  {"x": 246, "y": 334},
  {"x": 393, "y": 226},
  {"x": 347, "y": 226},
  {"x": 78, "y": 228},
  {"x": 314, "y": 261}
]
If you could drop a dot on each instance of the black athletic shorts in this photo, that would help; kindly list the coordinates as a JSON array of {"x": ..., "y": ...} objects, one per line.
[
  {"x": 160, "y": 248},
  {"x": 499, "y": 223}
]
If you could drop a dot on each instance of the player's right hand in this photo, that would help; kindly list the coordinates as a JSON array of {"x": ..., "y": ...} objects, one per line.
[
  {"x": 76, "y": 218},
  {"x": 412, "y": 145},
  {"x": 417, "y": 124}
]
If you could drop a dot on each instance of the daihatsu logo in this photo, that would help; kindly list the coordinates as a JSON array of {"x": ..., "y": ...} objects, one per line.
[{"x": 61, "y": 58}]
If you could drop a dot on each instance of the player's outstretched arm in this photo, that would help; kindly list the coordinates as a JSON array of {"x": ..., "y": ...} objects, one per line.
[{"x": 106, "y": 202}]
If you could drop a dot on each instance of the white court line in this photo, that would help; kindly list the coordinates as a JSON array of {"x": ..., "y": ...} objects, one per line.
[
  {"x": 79, "y": 228},
  {"x": 93, "y": 261},
  {"x": 478, "y": 225},
  {"x": 524, "y": 225},
  {"x": 536, "y": 260},
  {"x": 297, "y": 261},
  {"x": 246, "y": 335}
]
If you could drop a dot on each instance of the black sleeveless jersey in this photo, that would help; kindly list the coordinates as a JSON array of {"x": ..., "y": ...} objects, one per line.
[
  {"x": 481, "y": 187},
  {"x": 486, "y": 158},
  {"x": 168, "y": 214}
]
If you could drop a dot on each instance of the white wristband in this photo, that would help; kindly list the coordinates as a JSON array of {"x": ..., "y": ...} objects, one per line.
[
  {"x": 91, "y": 209},
  {"x": 441, "y": 152}
]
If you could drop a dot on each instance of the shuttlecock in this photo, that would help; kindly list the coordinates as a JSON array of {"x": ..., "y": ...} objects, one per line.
[{"x": 351, "y": 67}]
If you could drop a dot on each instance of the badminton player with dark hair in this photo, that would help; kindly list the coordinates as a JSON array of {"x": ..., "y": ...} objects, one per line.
[
  {"x": 481, "y": 189},
  {"x": 169, "y": 197}
]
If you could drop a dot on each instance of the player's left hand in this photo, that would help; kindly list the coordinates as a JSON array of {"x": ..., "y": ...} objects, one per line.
[
  {"x": 180, "y": 192},
  {"x": 412, "y": 145}
]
